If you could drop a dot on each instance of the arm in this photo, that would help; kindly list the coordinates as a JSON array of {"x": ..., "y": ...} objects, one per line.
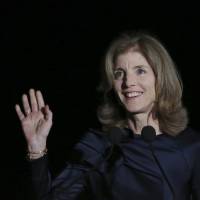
[
  {"x": 68, "y": 185},
  {"x": 36, "y": 122},
  {"x": 80, "y": 178}
]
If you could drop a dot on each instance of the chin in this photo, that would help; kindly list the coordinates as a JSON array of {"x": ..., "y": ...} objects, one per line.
[
  {"x": 136, "y": 109},
  {"x": 133, "y": 111}
]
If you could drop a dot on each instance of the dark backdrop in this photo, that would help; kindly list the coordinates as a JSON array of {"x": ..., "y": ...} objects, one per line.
[{"x": 57, "y": 46}]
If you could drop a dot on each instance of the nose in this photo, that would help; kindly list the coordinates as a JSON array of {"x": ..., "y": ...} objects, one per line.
[{"x": 129, "y": 80}]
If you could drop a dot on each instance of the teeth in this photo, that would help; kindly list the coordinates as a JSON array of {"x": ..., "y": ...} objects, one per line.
[{"x": 133, "y": 94}]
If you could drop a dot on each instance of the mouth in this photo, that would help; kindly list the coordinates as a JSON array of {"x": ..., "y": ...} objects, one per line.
[{"x": 132, "y": 94}]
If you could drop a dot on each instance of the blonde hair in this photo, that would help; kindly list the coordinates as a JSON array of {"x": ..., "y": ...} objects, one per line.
[{"x": 171, "y": 114}]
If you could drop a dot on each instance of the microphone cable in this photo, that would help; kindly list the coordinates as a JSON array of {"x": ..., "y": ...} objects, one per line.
[{"x": 149, "y": 134}]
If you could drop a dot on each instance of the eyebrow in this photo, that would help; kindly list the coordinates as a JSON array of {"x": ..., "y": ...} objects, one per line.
[
  {"x": 135, "y": 67},
  {"x": 118, "y": 68}
]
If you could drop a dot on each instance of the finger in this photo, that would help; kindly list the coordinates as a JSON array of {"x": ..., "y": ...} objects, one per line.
[
  {"x": 19, "y": 112},
  {"x": 34, "y": 104},
  {"x": 40, "y": 100},
  {"x": 26, "y": 105}
]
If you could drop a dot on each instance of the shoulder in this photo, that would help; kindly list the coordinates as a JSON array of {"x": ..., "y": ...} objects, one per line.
[
  {"x": 94, "y": 140},
  {"x": 189, "y": 138},
  {"x": 189, "y": 143},
  {"x": 92, "y": 146}
]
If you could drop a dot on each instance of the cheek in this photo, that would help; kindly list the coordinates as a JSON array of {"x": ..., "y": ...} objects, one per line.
[
  {"x": 117, "y": 90},
  {"x": 117, "y": 85},
  {"x": 149, "y": 85},
  {"x": 151, "y": 90}
]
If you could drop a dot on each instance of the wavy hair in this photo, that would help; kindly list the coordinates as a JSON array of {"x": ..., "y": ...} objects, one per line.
[{"x": 171, "y": 114}]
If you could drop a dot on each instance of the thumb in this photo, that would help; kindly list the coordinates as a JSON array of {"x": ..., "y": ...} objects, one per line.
[{"x": 48, "y": 113}]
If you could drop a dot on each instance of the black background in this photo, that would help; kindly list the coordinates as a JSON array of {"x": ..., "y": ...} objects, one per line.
[{"x": 57, "y": 47}]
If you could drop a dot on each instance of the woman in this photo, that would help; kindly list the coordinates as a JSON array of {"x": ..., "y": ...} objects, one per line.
[{"x": 142, "y": 93}]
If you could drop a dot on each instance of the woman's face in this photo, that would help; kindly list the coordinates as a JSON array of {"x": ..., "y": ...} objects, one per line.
[{"x": 134, "y": 82}]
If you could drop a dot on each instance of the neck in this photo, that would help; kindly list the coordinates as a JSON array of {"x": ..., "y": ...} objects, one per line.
[{"x": 136, "y": 122}]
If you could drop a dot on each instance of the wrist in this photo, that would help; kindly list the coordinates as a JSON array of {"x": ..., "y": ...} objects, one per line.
[
  {"x": 35, "y": 146},
  {"x": 31, "y": 155}
]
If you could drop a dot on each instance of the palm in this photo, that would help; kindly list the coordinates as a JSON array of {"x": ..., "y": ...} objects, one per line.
[{"x": 35, "y": 126}]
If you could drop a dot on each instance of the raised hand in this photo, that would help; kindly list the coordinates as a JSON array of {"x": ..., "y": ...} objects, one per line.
[{"x": 36, "y": 120}]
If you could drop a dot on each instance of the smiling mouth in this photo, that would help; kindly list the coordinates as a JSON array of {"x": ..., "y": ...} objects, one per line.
[{"x": 132, "y": 94}]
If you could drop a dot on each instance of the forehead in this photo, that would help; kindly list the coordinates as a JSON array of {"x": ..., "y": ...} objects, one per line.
[{"x": 131, "y": 58}]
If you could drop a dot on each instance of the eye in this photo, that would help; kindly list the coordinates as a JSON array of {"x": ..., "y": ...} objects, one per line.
[
  {"x": 140, "y": 71},
  {"x": 118, "y": 74}
]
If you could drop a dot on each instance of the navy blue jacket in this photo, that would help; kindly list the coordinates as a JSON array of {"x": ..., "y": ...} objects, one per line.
[{"x": 127, "y": 171}]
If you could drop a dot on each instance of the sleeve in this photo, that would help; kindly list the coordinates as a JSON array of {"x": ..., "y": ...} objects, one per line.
[
  {"x": 73, "y": 180},
  {"x": 69, "y": 184}
]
